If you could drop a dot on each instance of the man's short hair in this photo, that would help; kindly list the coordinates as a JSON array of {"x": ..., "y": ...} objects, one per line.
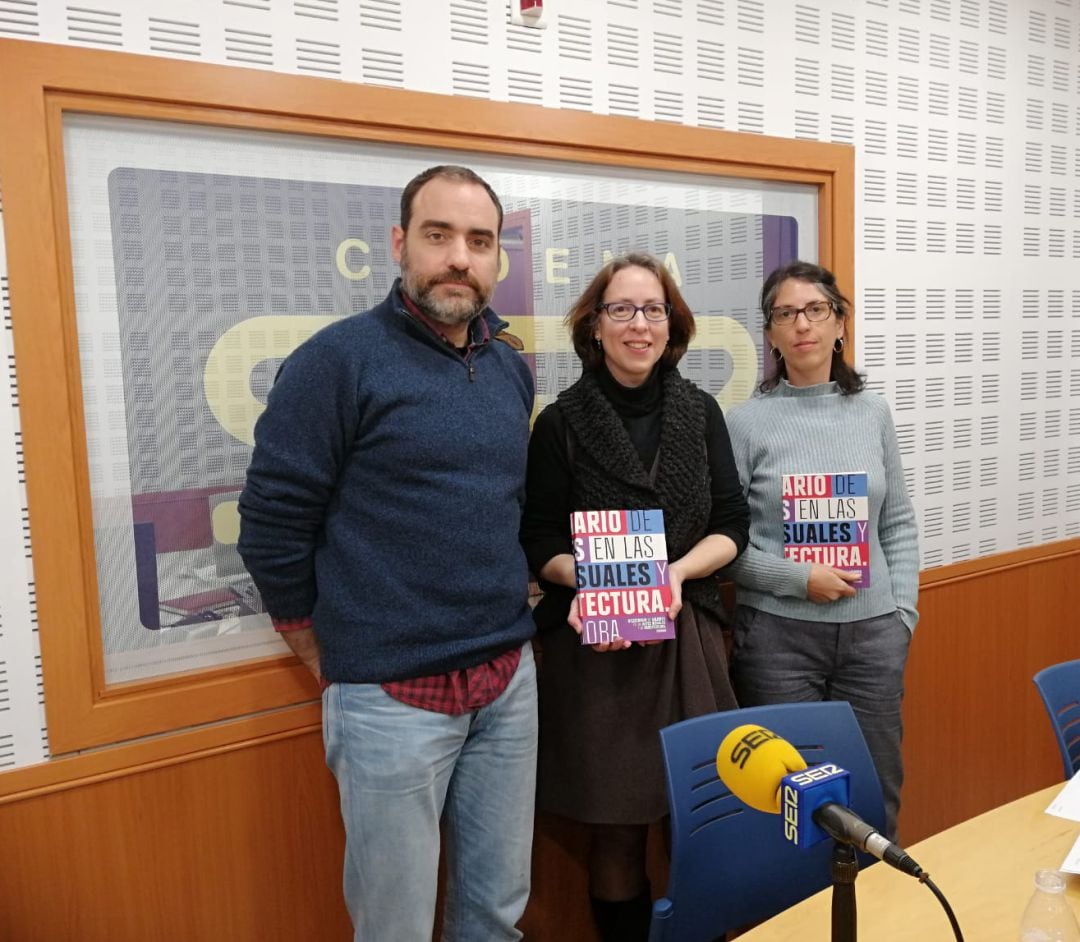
[{"x": 444, "y": 172}]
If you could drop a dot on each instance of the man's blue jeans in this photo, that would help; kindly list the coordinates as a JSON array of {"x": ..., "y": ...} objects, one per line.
[{"x": 400, "y": 770}]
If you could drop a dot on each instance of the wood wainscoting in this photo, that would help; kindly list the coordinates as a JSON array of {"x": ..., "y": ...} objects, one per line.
[
  {"x": 976, "y": 734},
  {"x": 244, "y": 843},
  {"x": 240, "y": 845}
]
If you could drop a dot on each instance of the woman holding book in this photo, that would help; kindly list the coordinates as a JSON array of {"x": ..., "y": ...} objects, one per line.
[
  {"x": 630, "y": 434},
  {"x": 828, "y": 585}
]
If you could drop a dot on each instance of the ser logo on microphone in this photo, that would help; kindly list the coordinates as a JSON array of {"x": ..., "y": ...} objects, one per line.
[
  {"x": 793, "y": 786},
  {"x": 746, "y": 745}
]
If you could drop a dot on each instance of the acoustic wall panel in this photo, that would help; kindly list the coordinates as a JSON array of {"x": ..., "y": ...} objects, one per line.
[
  {"x": 965, "y": 116},
  {"x": 22, "y": 702}
]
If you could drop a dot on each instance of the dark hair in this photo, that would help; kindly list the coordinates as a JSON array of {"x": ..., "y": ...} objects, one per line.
[
  {"x": 443, "y": 172},
  {"x": 824, "y": 280},
  {"x": 586, "y": 311}
]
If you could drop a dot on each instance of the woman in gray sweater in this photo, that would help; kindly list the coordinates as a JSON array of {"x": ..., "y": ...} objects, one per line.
[{"x": 828, "y": 584}]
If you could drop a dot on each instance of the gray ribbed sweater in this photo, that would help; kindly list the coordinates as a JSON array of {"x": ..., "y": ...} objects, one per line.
[{"x": 813, "y": 430}]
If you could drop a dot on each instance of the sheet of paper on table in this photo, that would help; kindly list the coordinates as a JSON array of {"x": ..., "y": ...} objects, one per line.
[
  {"x": 1067, "y": 802},
  {"x": 1072, "y": 859}
]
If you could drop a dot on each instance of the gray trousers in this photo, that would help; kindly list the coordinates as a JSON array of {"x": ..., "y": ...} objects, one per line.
[{"x": 788, "y": 660}]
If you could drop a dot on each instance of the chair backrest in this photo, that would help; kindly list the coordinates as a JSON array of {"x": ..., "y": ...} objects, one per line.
[
  {"x": 1059, "y": 687},
  {"x": 730, "y": 864}
]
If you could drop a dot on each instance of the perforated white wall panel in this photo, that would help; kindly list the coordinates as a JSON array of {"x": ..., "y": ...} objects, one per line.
[{"x": 965, "y": 115}]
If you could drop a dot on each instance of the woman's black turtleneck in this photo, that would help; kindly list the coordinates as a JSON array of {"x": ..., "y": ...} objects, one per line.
[
  {"x": 639, "y": 409},
  {"x": 545, "y": 527}
]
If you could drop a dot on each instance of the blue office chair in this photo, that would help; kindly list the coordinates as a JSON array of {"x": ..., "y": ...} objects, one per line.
[
  {"x": 1059, "y": 687},
  {"x": 730, "y": 864}
]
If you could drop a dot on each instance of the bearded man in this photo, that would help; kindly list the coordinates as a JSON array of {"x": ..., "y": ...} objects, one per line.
[{"x": 380, "y": 524}]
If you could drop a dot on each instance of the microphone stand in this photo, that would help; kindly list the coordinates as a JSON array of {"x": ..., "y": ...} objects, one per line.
[{"x": 844, "y": 869}]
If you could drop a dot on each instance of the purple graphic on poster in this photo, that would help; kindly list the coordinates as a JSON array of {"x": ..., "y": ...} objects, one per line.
[{"x": 211, "y": 267}]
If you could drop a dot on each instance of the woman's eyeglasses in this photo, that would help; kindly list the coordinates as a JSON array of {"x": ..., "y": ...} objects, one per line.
[
  {"x": 625, "y": 311},
  {"x": 814, "y": 311}
]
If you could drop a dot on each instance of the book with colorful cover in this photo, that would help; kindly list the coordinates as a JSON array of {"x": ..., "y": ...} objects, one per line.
[
  {"x": 827, "y": 521},
  {"x": 621, "y": 564}
]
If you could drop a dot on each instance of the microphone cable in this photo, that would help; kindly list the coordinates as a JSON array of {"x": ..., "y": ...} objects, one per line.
[{"x": 925, "y": 878}]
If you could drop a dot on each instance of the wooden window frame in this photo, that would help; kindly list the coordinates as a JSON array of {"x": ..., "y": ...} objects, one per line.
[{"x": 43, "y": 82}]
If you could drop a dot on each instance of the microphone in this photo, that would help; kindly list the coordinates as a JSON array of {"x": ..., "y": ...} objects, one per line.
[
  {"x": 842, "y": 824},
  {"x": 768, "y": 774}
]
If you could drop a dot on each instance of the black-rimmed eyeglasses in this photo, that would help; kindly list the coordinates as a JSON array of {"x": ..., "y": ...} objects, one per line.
[
  {"x": 814, "y": 311},
  {"x": 623, "y": 311}
]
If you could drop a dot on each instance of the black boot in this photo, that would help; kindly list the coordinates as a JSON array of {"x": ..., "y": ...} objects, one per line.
[{"x": 623, "y": 920}]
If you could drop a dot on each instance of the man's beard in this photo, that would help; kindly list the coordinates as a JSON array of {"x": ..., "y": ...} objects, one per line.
[{"x": 452, "y": 311}]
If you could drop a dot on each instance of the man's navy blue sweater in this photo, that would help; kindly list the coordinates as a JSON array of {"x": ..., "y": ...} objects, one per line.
[{"x": 384, "y": 497}]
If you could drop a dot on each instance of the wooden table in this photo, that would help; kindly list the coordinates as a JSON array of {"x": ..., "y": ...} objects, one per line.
[{"x": 984, "y": 866}]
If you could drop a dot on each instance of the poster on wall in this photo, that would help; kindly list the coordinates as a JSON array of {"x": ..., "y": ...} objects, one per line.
[{"x": 203, "y": 256}]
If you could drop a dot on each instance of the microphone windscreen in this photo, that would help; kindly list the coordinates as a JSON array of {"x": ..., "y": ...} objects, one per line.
[{"x": 751, "y": 761}]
